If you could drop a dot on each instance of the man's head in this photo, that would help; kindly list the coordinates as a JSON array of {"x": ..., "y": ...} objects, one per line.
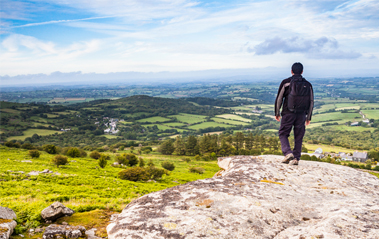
[{"x": 297, "y": 68}]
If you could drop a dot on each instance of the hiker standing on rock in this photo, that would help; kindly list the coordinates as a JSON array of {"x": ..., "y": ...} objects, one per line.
[{"x": 297, "y": 112}]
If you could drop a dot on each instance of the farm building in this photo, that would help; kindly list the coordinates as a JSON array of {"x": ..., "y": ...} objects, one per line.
[
  {"x": 360, "y": 156},
  {"x": 354, "y": 124}
]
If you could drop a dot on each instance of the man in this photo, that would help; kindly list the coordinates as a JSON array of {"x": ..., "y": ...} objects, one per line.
[{"x": 297, "y": 112}]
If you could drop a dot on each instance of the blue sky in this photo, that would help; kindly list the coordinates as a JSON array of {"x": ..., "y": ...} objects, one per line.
[{"x": 328, "y": 36}]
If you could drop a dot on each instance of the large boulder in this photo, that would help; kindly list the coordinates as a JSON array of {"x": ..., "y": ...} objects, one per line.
[
  {"x": 55, "y": 211},
  {"x": 7, "y": 223},
  {"x": 259, "y": 197},
  {"x": 64, "y": 231}
]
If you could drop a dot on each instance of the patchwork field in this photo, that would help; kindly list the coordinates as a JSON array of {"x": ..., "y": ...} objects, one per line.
[
  {"x": 154, "y": 119},
  {"x": 226, "y": 121},
  {"x": 189, "y": 118},
  {"x": 371, "y": 114},
  {"x": 207, "y": 125},
  {"x": 336, "y": 116},
  {"x": 234, "y": 117},
  {"x": 30, "y": 132}
]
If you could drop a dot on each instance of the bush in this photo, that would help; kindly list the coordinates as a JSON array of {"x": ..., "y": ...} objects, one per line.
[
  {"x": 167, "y": 147},
  {"x": 150, "y": 163},
  {"x": 27, "y": 146},
  {"x": 146, "y": 148},
  {"x": 133, "y": 160},
  {"x": 34, "y": 153},
  {"x": 305, "y": 157},
  {"x": 73, "y": 153},
  {"x": 95, "y": 155},
  {"x": 314, "y": 158},
  {"x": 141, "y": 162},
  {"x": 368, "y": 166},
  {"x": 9, "y": 144},
  {"x": 362, "y": 166},
  {"x": 59, "y": 160},
  {"x": 376, "y": 168},
  {"x": 105, "y": 156},
  {"x": 198, "y": 170},
  {"x": 186, "y": 160},
  {"x": 102, "y": 161},
  {"x": 83, "y": 153},
  {"x": 121, "y": 148},
  {"x": 255, "y": 152},
  {"x": 134, "y": 174},
  {"x": 353, "y": 165},
  {"x": 167, "y": 165},
  {"x": 156, "y": 173},
  {"x": 197, "y": 157},
  {"x": 50, "y": 149}
]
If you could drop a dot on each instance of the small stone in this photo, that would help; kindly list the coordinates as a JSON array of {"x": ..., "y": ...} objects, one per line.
[{"x": 64, "y": 223}]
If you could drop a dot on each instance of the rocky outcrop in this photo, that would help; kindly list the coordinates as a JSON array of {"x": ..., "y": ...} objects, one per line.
[
  {"x": 259, "y": 197},
  {"x": 64, "y": 231},
  {"x": 7, "y": 223},
  {"x": 55, "y": 211}
]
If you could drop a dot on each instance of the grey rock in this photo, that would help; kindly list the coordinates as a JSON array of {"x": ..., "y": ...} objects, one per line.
[
  {"x": 33, "y": 173},
  {"x": 26, "y": 161},
  {"x": 55, "y": 211},
  {"x": 91, "y": 234},
  {"x": 7, "y": 213},
  {"x": 47, "y": 171},
  {"x": 259, "y": 197},
  {"x": 60, "y": 231},
  {"x": 115, "y": 164},
  {"x": 7, "y": 223}
]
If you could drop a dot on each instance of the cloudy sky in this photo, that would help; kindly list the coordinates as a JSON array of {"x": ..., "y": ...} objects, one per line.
[{"x": 330, "y": 37}]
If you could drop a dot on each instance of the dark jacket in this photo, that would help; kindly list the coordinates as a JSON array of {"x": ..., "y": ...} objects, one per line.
[{"x": 283, "y": 94}]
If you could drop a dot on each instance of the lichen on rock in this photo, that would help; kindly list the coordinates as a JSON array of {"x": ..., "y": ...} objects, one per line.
[{"x": 259, "y": 197}]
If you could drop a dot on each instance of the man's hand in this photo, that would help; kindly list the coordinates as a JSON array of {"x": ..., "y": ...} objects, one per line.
[
  {"x": 307, "y": 122},
  {"x": 277, "y": 118}
]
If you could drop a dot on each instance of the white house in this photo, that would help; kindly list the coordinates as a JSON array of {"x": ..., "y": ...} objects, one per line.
[
  {"x": 107, "y": 131},
  {"x": 354, "y": 124}
]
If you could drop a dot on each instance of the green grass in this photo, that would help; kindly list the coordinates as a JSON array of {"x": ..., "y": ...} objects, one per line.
[
  {"x": 207, "y": 125},
  {"x": 226, "y": 121},
  {"x": 109, "y": 136},
  {"x": 160, "y": 126},
  {"x": 336, "y": 116},
  {"x": 328, "y": 148},
  {"x": 153, "y": 119},
  {"x": 189, "y": 118},
  {"x": 81, "y": 185},
  {"x": 371, "y": 114},
  {"x": 30, "y": 132},
  {"x": 175, "y": 124},
  {"x": 234, "y": 117}
]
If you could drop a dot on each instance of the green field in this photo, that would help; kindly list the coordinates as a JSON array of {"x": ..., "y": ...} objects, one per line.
[
  {"x": 207, "y": 125},
  {"x": 175, "y": 124},
  {"x": 336, "y": 116},
  {"x": 189, "y": 118},
  {"x": 226, "y": 121},
  {"x": 30, "y": 132},
  {"x": 234, "y": 117},
  {"x": 154, "y": 119},
  {"x": 80, "y": 185},
  {"x": 371, "y": 114},
  {"x": 328, "y": 148},
  {"x": 160, "y": 126},
  {"x": 109, "y": 136}
]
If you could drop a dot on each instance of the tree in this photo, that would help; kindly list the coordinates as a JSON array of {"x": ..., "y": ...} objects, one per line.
[
  {"x": 50, "y": 149},
  {"x": 249, "y": 141},
  {"x": 102, "y": 161},
  {"x": 59, "y": 160},
  {"x": 141, "y": 162},
  {"x": 73, "y": 153},
  {"x": 168, "y": 165},
  {"x": 239, "y": 139},
  {"x": 34, "y": 153},
  {"x": 191, "y": 146},
  {"x": 95, "y": 155},
  {"x": 166, "y": 147},
  {"x": 180, "y": 147}
]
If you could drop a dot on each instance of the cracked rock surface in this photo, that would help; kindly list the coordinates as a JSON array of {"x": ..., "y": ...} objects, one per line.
[
  {"x": 7, "y": 223},
  {"x": 64, "y": 231},
  {"x": 259, "y": 197}
]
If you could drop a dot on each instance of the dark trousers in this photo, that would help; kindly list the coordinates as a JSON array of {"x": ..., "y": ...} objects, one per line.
[{"x": 298, "y": 123}]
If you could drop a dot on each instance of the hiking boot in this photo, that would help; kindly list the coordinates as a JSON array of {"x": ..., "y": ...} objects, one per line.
[
  {"x": 294, "y": 162},
  {"x": 287, "y": 158}
]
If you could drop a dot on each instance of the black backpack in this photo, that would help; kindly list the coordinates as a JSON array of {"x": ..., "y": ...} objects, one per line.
[{"x": 299, "y": 95}]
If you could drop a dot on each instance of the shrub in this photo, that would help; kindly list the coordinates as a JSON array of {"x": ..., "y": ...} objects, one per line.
[
  {"x": 122, "y": 160},
  {"x": 27, "y": 146},
  {"x": 362, "y": 166},
  {"x": 376, "y": 168},
  {"x": 59, "y": 160},
  {"x": 146, "y": 148},
  {"x": 95, "y": 155},
  {"x": 167, "y": 147},
  {"x": 305, "y": 157},
  {"x": 83, "y": 153},
  {"x": 127, "y": 159},
  {"x": 134, "y": 174},
  {"x": 73, "y": 153},
  {"x": 197, "y": 157},
  {"x": 314, "y": 158},
  {"x": 168, "y": 165},
  {"x": 150, "y": 163},
  {"x": 187, "y": 160},
  {"x": 34, "y": 153},
  {"x": 121, "y": 148},
  {"x": 102, "y": 161},
  {"x": 198, "y": 170},
  {"x": 255, "y": 152},
  {"x": 353, "y": 165},
  {"x": 368, "y": 166},
  {"x": 213, "y": 156},
  {"x": 156, "y": 173},
  {"x": 133, "y": 160},
  {"x": 9, "y": 144},
  {"x": 141, "y": 162},
  {"x": 105, "y": 156},
  {"x": 50, "y": 149}
]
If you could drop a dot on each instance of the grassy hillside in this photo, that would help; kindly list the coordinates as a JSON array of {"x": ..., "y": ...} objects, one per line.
[{"x": 80, "y": 185}]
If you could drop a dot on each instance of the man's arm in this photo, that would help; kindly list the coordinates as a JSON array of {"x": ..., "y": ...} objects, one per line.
[
  {"x": 310, "y": 111},
  {"x": 279, "y": 99}
]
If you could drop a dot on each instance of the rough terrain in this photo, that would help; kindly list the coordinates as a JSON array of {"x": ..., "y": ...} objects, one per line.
[{"x": 259, "y": 197}]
